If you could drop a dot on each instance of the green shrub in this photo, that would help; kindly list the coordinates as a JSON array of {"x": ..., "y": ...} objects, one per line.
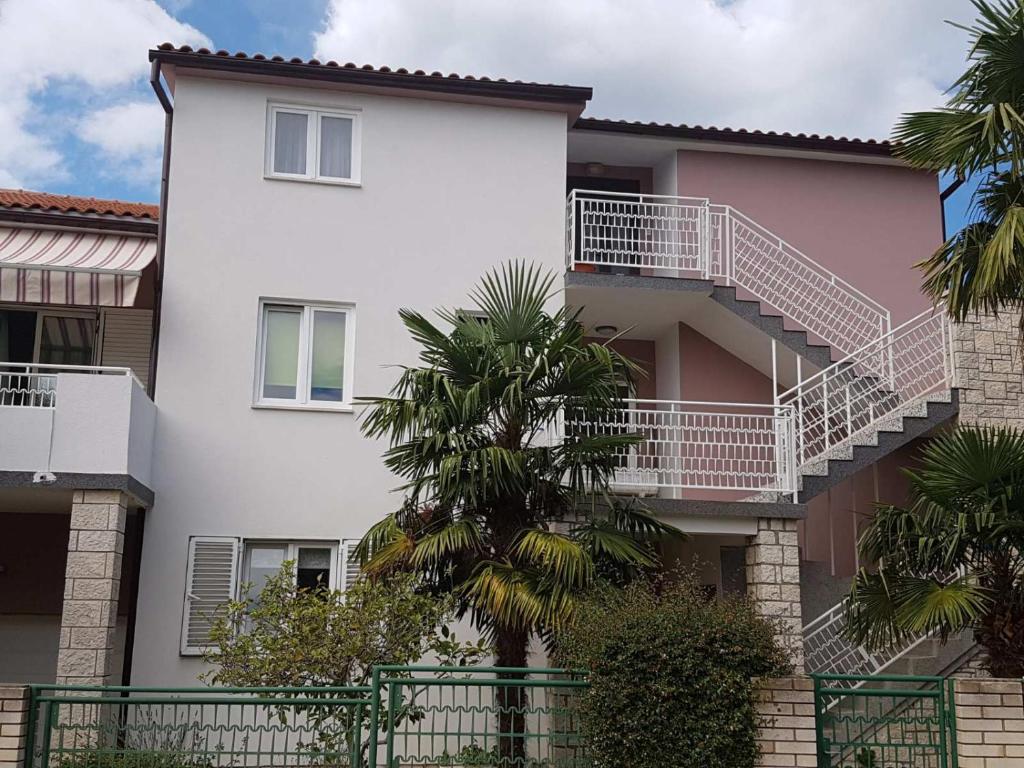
[{"x": 671, "y": 675}]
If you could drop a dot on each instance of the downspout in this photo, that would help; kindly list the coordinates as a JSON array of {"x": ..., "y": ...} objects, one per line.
[
  {"x": 161, "y": 240},
  {"x": 133, "y": 599},
  {"x": 165, "y": 172},
  {"x": 943, "y": 196}
]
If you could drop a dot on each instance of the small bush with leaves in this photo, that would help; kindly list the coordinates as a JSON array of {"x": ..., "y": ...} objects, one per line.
[
  {"x": 671, "y": 675},
  {"x": 287, "y": 637}
]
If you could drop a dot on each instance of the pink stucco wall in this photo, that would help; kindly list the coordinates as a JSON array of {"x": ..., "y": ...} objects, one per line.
[
  {"x": 709, "y": 373},
  {"x": 867, "y": 223},
  {"x": 829, "y": 532}
]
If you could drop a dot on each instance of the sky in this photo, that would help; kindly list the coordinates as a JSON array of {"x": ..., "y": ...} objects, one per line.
[{"x": 77, "y": 114}]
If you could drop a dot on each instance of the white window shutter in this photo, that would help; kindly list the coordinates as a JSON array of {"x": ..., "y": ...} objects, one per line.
[
  {"x": 349, "y": 563},
  {"x": 211, "y": 581}
]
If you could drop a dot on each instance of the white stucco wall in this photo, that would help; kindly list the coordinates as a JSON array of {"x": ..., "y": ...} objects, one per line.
[{"x": 448, "y": 191}]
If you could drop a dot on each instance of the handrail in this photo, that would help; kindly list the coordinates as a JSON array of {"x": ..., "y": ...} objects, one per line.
[
  {"x": 42, "y": 369},
  {"x": 835, "y": 279},
  {"x": 845, "y": 361},
  {"x": 883, "y": 379}
]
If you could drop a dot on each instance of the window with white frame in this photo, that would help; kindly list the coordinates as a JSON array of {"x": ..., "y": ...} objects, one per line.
[
  {"x": 305, "y": 355},
  {"x": 313, "y": 144},
  {"x": 218, "y": 566}
]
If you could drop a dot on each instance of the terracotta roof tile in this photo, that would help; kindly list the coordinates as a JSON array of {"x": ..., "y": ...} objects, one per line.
[
  {"x": 564, "y": 92},
  {"x": 43, "y": 201}
]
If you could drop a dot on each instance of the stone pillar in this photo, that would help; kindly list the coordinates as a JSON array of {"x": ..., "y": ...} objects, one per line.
[
  {"x": 91, "y": 585},
  {"x": 773, "y": 582},
  {"x": 989, "y": 373},
  {"x": 989, "y": 723},
  {"x": 14, "y": 703},
  {"x": 786, "y": 736}
]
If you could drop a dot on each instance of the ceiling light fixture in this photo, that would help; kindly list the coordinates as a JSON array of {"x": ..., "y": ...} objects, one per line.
[{"x": 606, "y": 330}]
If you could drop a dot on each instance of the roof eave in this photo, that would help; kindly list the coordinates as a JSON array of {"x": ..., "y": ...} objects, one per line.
[
  {"x": 569, "y": 98},
  {"x": 39, "y": 217},
  {"x": 747, "y": 138}
]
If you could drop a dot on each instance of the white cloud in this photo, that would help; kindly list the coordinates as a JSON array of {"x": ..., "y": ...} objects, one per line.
[
  {"x": 131, "y": 135},
  {"x": 828, "y": 66},
  {"x": 90, "y": 52}
]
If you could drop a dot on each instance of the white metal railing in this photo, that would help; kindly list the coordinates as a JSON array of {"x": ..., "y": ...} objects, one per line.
[
  {"x": 720, "y": 446},
  {"x": 875, "y": 382},
  {"x": 616, "y": 229},
  {"x": 827, "y": 649},
  {"x": 749, "y": 256},
  {"x": 682, "y": 236},
  {"x": 34, "y": 385}
]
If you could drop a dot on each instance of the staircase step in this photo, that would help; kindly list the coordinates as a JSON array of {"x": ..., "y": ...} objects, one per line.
[{"x": 758, "y": 315}]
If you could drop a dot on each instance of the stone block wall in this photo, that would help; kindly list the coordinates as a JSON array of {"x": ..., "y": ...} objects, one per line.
[
  {"x": 787, "y": 735},
  {"x": 91, "y": 585},
  {"x": 989, "y": 723},
  {"x": 773, "y": 581},
  {"x": 989, "y": 370},
  {"x": 14, "y": 713}
]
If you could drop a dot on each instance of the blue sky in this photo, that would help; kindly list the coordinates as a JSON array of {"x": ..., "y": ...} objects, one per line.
[{"x": 77, "y": 114}]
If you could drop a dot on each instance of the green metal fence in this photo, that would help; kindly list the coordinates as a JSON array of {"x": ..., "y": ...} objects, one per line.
[
  {"x": 480, "y": 716},
  {"x": 884, "y": 721},
  {"x": 117, "y": 727},
  {"x": 448, "y": 717}
]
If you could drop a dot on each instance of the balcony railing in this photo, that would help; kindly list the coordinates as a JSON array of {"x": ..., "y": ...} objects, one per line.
[
  {"x": 34, "y": 385},
  {"x": 697, "y": 445},
  {"x": 670, "y": 236}
]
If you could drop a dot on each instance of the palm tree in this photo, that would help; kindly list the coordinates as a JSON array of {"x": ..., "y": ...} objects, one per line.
[
  {"x": 514, "y": 524},
  {"x": 953, "y": 560},
  {"x": 979, "y": 132}
]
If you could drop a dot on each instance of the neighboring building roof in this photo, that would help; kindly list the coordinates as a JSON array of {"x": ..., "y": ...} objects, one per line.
[
  {"x": 25, "y": 208},
  {"x": 44, "y": 201},
  {"x": 739, "y": 136},
  {"x": 369, "y": 76}
]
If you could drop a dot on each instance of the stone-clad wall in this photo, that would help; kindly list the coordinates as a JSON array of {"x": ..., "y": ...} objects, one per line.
[
  {"x": 92, "y": 583},
  {"x": 989, "y": 370},
  {"x": 773, "y": 581}
]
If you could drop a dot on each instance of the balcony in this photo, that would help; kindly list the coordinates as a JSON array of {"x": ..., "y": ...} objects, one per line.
[
  {"x": 739, "y": 448},
  {"x": 70, "y": 420}
]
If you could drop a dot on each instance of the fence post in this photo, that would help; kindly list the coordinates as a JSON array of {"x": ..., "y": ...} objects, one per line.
[
  {"x": 374, "y": 717},
  {"x": 394, "y": 696}
]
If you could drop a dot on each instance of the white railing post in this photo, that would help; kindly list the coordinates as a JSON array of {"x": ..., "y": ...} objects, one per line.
[
  {"x": 570, "y": 236},
  {"x": 824, "y": 406},
  {"x": 849, "y": 413}
]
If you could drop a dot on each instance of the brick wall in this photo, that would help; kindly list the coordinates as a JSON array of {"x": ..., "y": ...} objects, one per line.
[
  {"x": 13, "y": 725},
  {"x": 990, "y": 723},
  {"x": 787, "y": 736},
  {"x": 989, "y": 370}
]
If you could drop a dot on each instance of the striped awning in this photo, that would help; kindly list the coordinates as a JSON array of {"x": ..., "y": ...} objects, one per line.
[{"x": 65, "y": 267}]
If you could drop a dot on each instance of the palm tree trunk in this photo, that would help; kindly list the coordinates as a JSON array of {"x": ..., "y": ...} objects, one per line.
[{"x": 512, "y": 701}]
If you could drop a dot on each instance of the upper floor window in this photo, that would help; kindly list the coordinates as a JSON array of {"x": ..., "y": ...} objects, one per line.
[
  {"x": 313, "y": 144},
  {"x": 305, "y": 355}
]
